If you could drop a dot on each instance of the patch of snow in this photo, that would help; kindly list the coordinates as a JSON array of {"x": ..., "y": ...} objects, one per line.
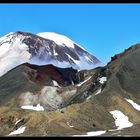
[
  {"x": 136, "y": 106},
  {"x": 99, "y": 91},
  {"x": 87, "y": 58},
  {"x": 102, "y": 80},
  {"x": 72, "y": 82},
  {"x": 55, "y": 83},
  {"x": 75, "y": 61},
  {"x": 94, "y": 133},
  {"x": 88, "y": 97},
  {"x": 83, "y": 81},
  {"x": 18, "y": 121},
  {"x": 57, "y": 38},
  {"x": 69, "y": 125},
  {"x": 18, "y": 131},
  {"x": 36, "y": 108},
  {"x": 121, "y": 120},
  {"x": 54, "y": 52}
]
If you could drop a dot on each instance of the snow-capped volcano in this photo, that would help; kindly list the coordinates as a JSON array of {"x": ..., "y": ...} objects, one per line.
[{"x": 44, "y": 48}]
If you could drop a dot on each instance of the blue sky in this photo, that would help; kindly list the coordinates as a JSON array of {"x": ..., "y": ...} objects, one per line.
[{"x": 102, "y": 29}]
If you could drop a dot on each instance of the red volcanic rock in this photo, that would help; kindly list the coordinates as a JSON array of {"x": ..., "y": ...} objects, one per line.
[
  {"x": 46, "y": 73},
  {"x": 52, "y": 72}
]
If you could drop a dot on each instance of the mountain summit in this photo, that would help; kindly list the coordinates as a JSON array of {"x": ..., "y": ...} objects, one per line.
[{"x": 41, "y": 49}]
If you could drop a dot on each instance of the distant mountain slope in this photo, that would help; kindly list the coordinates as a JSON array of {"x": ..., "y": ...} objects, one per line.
[{"x": 45, "y": 48}]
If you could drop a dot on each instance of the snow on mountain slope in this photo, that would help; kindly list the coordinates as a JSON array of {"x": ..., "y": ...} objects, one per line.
[
  {"x": 18, "y": 131},
  {"x": 121, "y": 120},
  {"x": 4, "y": 37},
  {"x": 76, "y": 54},
  {"x": 135, "y": 105},
  {"x": 57, "y": 38},
  {"x": 12, "y": 57},
  {"x": 41, "y": 49}
]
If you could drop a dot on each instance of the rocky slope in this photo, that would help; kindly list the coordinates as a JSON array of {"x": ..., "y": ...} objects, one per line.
[{"x": 89, "y": 106}]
